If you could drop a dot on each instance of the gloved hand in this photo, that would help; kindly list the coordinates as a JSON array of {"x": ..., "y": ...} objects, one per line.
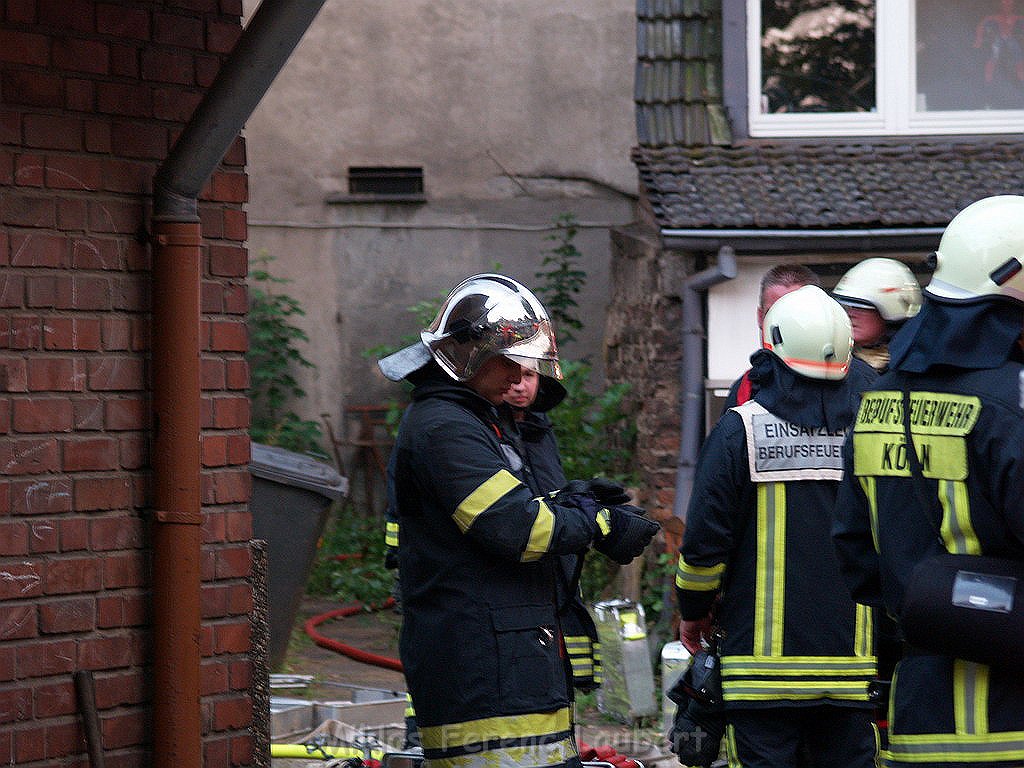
[
  {"x": 608, "y": 492},
  {"x": 629, "y": 533}
]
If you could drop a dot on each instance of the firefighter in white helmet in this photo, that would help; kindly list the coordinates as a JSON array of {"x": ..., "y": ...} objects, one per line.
[
  {"x": 879, "y": 296},
  {"x": 796, "y": 651},
  {"x": 479, "y": 550},
  {"x": 958, "y": 367}
]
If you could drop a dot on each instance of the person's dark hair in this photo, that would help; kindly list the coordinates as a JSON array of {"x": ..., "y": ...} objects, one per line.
[{"x": 787, "y": 275}]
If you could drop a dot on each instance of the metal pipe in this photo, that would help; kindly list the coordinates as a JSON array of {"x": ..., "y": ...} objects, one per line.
[
  {"x": 259, "y": 55},
  {"x": 85, "y": 693},
  {"x": 766, "y": 241},
  {"x": 692, "y": 372}
]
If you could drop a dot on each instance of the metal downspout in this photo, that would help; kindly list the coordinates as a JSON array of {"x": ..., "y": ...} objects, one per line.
[
  {"x": 692, "y": 372},
  {"x": 259, "y": 55}
]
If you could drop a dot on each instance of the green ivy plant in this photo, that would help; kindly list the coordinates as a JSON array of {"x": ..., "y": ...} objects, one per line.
[{"x": 273, "y": 358}]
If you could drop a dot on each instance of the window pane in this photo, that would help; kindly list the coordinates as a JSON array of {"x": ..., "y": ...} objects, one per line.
[
  {"x": 970, "y": 55},
  {"x": 817, "y": 56}
]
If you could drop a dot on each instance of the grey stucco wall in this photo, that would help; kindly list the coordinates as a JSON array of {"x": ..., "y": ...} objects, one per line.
[{"x": 517, "y": 111}]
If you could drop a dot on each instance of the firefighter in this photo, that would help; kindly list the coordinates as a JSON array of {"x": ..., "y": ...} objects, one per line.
[
  {"x": 958, "y": 357},
  {"x": 479, "y": 551},
  {"x": 879, "y": 295},
  {"x": 796, "y": 651}
]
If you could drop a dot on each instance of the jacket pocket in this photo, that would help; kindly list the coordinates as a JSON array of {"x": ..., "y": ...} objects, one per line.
[{"x": 531, "y": 675}]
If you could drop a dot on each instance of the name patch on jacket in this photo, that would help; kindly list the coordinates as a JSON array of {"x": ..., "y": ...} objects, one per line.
[
  {"x": 778, "y": 450},
  {"x": 939, "y": 424}
]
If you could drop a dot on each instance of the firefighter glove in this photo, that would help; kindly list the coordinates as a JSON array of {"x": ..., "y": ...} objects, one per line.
[
  {"x": 608, "y": 492},
  {"x": 629, "y": 533}
]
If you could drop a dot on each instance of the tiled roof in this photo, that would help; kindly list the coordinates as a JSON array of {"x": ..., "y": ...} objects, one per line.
[
  {"x": 678, "y": 82},
  {"x": 828, "y": 185}
]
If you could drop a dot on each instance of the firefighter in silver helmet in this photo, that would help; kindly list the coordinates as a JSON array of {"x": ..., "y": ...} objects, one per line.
[
  {"x": 959, "y": 356},
  {"x": 879, "y": 295},
  {"x": 481, "y": 645}
]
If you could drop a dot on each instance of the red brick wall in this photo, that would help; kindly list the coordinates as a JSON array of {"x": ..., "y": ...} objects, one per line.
[{"x": 92, "y": 96}]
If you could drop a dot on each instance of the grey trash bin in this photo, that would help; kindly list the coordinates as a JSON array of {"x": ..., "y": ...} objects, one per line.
[{"x": 291, "y": 496}]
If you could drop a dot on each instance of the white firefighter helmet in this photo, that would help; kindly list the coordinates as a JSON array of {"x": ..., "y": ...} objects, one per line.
[
  {"x": 885, "y": 285},
  {"x": 810, "y": 332},
  {"x": 981, "y": 253},
  {"x": 487, "y": 315}
]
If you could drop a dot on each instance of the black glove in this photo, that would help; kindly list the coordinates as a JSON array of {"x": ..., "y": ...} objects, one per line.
[
  {"x": 630, "y": 532},
  {"x": 608, "y": 492}
]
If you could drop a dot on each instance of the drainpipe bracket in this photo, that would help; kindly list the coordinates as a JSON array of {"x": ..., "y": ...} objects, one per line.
[{"x": 179, "y": 518}]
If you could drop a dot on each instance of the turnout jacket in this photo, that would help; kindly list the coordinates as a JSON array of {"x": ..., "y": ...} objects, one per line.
[
  {"x": 479, "y": 553},
  {"x": 758, "y": 534},
  {"x": 968, "y": 431}
]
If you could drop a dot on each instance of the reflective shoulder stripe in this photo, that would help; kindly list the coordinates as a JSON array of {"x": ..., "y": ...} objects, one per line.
[
  {"x": 698, "y": 578},
  {"x": 391, "y": 534},
  {"x": 541, "y": 531},
  {"x": 480, "y": 500},
  {"x": 778, "y": 451}
]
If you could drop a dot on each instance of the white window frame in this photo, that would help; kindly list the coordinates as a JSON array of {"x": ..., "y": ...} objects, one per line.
[{"x": 896, "y": 67}]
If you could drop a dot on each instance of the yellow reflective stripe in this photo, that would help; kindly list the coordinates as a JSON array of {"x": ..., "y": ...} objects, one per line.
[
  {"x": 730, "y": 747},
  {"x": 956, "y": 748},
  {"x": 699, "y": 578},
  {"x": 603, "y": 520},
  {"x": 795, "y": 690},
  {"x": 769, "y": 591},
  {"x": 870, "y": 491},
  {"x": 970, "y": 697},
  {"x": 577, "y": 643},
  {"x": 555, "y": 753},
  {"x": 540, "y": 533},
  {"x": 957, "y": 530},
  {"x": 391, "y": 534},
  {"x": 491, "y": 728},
  {"x": 863, "y": 632},
  {"x": 734, "y": 666},
  {"x": 410, "y": 710},
  {"x": 480, "y": 500}
]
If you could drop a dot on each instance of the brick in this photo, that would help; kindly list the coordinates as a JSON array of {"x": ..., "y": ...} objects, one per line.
[
  {"x": 127, "y": 413},
  {"x": 68, "y": 14},
  {"x": 29, "y": 170},
  {"x": 84, "y": 173},
  {"x": 120, "y": 689},
  {"x": 98, "y": 136},
  {"x": 116, "y": 374},
  {"x": 96, "y": 253},
  {"x": 5, "y": 416},
  {"x": 72, "y": 334},
  {"x": 29, "y": 745},
  {"x": 235, "y": 156},
  {"x": 13, "y": 374},
  {"x": 96, "y": 454},
  {"x": 63, "y": 739},
  {"x": 213, "y": 679},
  {"x": 236, "y": 225},
  {"x": 230, "y": 187},
  {"x": 24, "y": 332},
  {"x": 71, "y": 575},
  {"x": 56, "y": 374},
  {"x": 239, "y": 449},
  {"x": 19, "y": 622},
  {"x": 207, "y": 68},
  {"x": 229, "y": 336},
  {"x": 53, "y": 132},
  {"x": 178, "y": 31},
  {"x": 123, "y": 571},
  {"x": 212, "y": 375},
  {"x": 231, "y": 714},
  {"x": 32, "y": 88},
  {"x": 41, "y": 497},
  {"x": 44, "y": 537},
  {"x": 22, "y": 579},
  {"x": 128, "y": 99},
  {"x": 233, "y": 562},
  {"x": 231, "y": 412},
  {"x": 38, "y": 249},
  {"x": 133, "y": 452},
  {"x": 22, "y": 210},
  {"x": 116, "y": 332},
  {"x": 119, "y": 21},
  {"x": 211, "y": 298},
  {"x": 78, "y": 55},
  {"x": 89, "y": 413},
  {"x": 12, "y": 290},
  {"x": 125, "y": 59},
  {"x": 28, "y": 456},
  {"x": 24, "y": 48},
  {"x": 13, "y": 538},
  {"x": 101, "y": 493},
  {"x": 215, "y": 450},
  {"x": 74, "y": 533},
  {"x": 80, "y": 95},
  {"x": 116, "y": 216},
  {"x": 104, "y": 652},
  {"x": 221, "y": 36},
  {"x": 140, "y": 140},
  {"x": 125, "y": 730},
  {"x": 16, "y": 705},
  {"x": 130, "y": 293},
  {"x": 128, "y": 176},
  {"x": 7, "y": 663},
  {"x": 122, "y": 610},
  {"x": 71, "y": 215},
  {"x": 162, "y": 66},
  {"x": 113, "y": 533},
  {"x": 232, "y": 487},
  {"x": 64, "y": 616},
  {"x": 10, "y": 124},
  {"x": 239, "y": 601},
  {"x": 237, "y": 374},
  {"x": 228, "y": 261},
  {"x": 37, "y": 415}
]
